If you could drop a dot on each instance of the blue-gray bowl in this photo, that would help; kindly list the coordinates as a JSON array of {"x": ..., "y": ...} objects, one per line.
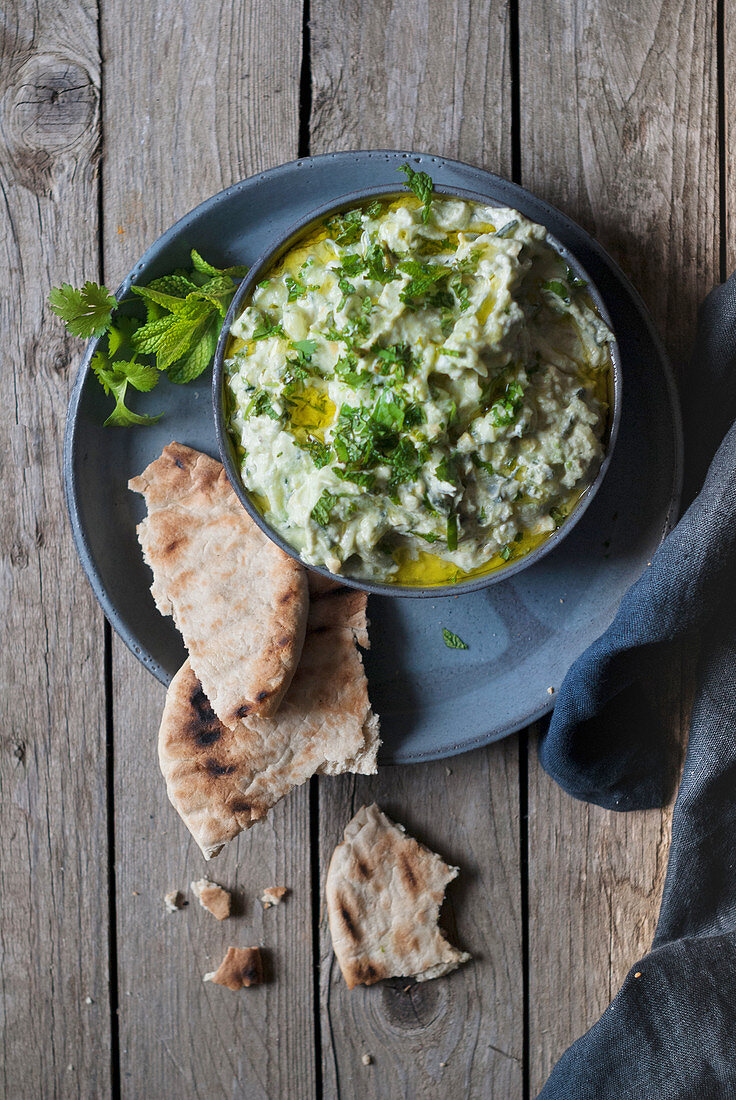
[{"x": 268, "y": 258}]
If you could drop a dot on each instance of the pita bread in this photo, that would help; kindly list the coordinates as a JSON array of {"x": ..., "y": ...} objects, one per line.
[
  {"x": 241, "y": 968},
  {"x": 384, "y": 892},
  {"x": 222, "y": 781},
  {"x": 212, "y": 897},
  {"x": 240, "y": 603},
  {"x": 272, "y": 895}
]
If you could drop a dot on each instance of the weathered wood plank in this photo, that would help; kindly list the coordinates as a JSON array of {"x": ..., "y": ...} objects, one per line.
[
  {"x": 383, "y": 76},
  {"x": 461, "y": 1035},
  {"x": 729, "y": 131},
  {"x": 618, "y": 129},
  {"x": 215, "y": 98},
  {"x": 53, "y": 859}
]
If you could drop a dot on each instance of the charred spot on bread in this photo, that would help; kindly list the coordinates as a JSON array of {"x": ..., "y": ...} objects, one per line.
[{"x": 219, "y": 769}]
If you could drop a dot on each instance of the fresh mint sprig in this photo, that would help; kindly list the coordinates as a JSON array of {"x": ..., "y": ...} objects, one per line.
[
  {"x": 422, "y": 186},
  {"x": 178, "y": 336}
]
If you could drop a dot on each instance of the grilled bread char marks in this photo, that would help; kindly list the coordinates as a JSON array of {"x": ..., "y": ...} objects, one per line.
[
  {"x": 239, "y": 601},
  {"x": 222, "y": 780},
  {"x": 384, "y": 893}
]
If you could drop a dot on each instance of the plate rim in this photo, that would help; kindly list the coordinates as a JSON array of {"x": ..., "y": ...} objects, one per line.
[{"x": 72, "y": 420}]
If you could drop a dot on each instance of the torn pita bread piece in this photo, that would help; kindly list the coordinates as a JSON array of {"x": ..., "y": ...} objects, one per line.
[
  {"x": 174, "y": 901},
  {"x": 241, "y": 968},
  {"x": 272, "y": 895},
  {"x": 384, "y": 893},
  {"x": 222, "y": 781},
  {"x": 215, "y": 899},
  {"x": 239, "y": 601}
]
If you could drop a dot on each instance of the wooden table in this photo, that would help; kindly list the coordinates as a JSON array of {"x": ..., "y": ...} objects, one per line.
[{"x": 116, "y": 117}]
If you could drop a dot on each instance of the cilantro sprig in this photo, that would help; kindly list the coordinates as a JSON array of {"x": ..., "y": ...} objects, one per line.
[
  {"x": 86, "y": 311},
  {"x": 422, "y": 186},
  {"x": 184, "y": 315}
]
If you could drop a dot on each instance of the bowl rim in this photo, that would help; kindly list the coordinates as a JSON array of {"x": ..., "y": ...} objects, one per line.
[{"x": 270, "y": 256}]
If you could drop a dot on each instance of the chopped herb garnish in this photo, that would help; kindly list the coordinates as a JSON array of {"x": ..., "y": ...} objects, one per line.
[
  {"x": 427, "y": 536},
  {"x": 505, "y": 552},
  {"x": 364, "y": 478},
  {"x": 345, "y": 228},
  {"x": 266, "y": 329},
  {"x": 422, "y": 186},
  {"x": 347, "y": 289},
  {"x": 557, "y": 288},
  {"x": 574, "y": 280},
  {"x": 452, "y": 531},
  {"x": 352, "y": 264},
  {"x": 479, "y": 463},
  {"x": 260, "y": 405},
  {"x": 423, "y": 278},
  {"x": 558, "y": 515},
  {"x": 504, "y": 411},
  {"x": 320, "y": 452},
  {"x": 322, "y": 511},
  {"x": 453, "y": 641},
  {"x": 462, "y": 293},
  {"x": 446, "y": 470}
]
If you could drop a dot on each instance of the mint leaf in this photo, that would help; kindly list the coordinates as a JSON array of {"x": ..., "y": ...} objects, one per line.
[
  {"x": 422, "y": 186},
  {"x": 172, "y": 302},
  {"x": 201, "y": 265},
  {"x": 321, "y": 513},
  {"x": 453, "y": 641},
  {"x": 197, "y": 360}
]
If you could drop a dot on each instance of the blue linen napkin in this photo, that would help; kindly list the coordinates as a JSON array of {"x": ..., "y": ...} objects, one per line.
[{"x": 671, "y": 1031}]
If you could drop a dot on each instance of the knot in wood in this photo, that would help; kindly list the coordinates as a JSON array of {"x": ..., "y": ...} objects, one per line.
[
  {"x": 53, "y": 109},
  {"x": 410, "y": 1005}
]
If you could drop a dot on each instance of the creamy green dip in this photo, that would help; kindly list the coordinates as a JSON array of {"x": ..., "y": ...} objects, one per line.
[{"x": 415, "y": 400}]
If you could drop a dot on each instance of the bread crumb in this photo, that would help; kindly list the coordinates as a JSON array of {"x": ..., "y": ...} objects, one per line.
[
  {"x": 638, "y": 974},
  {"x": 449, "y": 771},
  {"x": 550, "y": 691},
  {"x": 174, "y": 901},
  {"x": 212, "y": 897},
  {"x": 272, "y": 895},
  {"x": 88, "y": 1001},
  {"x": 241, "y": 968},
  {"x": 366, "y": 1060}
]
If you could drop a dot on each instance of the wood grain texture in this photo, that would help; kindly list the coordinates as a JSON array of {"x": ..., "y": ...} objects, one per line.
[
  {"x": 53, "y": 859},
  {"x": 215, "y": 98},
  {"x": 618, "y": 128},
  {"x": 382, "y": 76},
  {"x": 425, "y": 75},
  {"x": 728, "y": 136},
  {"x": 459, "y": 1036}
]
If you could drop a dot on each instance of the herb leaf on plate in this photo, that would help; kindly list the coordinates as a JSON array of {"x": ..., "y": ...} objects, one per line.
[
  {"x": 452, "y": 641},
  {"x": 184, "y": 314},
  {"x": 85, "y": 312},
  {"x": 115, "y": 377}
]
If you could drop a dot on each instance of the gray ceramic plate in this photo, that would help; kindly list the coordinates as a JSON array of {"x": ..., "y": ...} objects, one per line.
[{"x": 523, "y": 633}]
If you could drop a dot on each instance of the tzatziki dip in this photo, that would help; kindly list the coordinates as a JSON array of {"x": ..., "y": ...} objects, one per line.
[{"x": 418, "y": 391}]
